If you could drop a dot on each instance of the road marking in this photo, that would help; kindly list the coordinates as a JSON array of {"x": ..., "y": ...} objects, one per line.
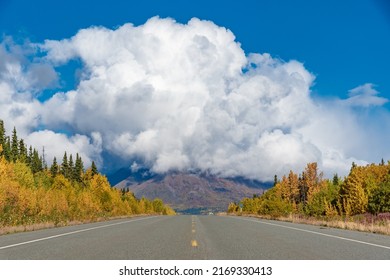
[
  {"x": 194, "y": 243},
  {"x": 319, "y": 233},
  {"x": 69, "y": 233}
]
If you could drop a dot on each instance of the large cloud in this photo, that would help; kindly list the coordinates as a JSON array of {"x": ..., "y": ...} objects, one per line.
[{"x": 187, "y": 97}]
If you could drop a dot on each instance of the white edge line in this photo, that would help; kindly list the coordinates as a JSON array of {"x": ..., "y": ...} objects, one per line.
[
  {"x": 69, "y": 233},
  {"x": 319, "y": 233}
]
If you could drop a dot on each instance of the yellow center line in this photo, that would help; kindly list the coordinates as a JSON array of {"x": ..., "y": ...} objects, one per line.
[{"x": 194, "y": 243}]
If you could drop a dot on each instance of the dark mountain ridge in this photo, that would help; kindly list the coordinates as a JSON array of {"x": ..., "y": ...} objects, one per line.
[{"x": 188, "y": 192}]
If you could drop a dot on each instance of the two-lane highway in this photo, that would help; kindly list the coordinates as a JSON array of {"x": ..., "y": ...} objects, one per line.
[{"x": 194, "y": 237}]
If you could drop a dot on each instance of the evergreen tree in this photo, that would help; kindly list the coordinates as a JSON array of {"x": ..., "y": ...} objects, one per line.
[
  {"x": 2, "y": 137},
  {"x": 30, "y": 157},
  {"x": 14, "y": 146},
  {"x": 336, "y": 180},
  {"x": 54, "y": 168},
  {"x": 70, "y": 168},
  {"x": 275, "y": 180},
  {"x": 7, "y": 149},
  {"x": 65, "y": 166},
  {"x": 78, "y": 168},
  {"x": 22, "y": 151},
  {"x": 4, "y": 142},
  {"x": 94, "y": 169},
  {"x": 36, "y": 162}
]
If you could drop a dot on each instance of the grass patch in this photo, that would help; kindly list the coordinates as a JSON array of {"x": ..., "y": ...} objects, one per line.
[
  {"x": 38, "y": 226},
  {"x": 366, "y": 223}
]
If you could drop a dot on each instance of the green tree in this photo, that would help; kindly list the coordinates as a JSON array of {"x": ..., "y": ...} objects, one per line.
[
  {"x": 54, "y": 168},
  {"x": 2, "y": 137},
  {"x": 7, "y": 149},
  {"x": 36, "y": 162},
  {"x": 336, "y": 180},
  {"x": 78, "y": 168},
  {"x": 94, "y": 169},
  {"x": 379, "y": 202},
  {"x": 22, "y": 151},
  {"x": 30, "y": 157},
  {"x": 275, "y": 180},
  {"x": 70, "y": 168},
  {"x": 14, "y": 146},
  {"x": 65, "y": 166}
]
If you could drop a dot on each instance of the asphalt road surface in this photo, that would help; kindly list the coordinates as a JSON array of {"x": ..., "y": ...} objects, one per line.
[{"x": 194, "y": 237}]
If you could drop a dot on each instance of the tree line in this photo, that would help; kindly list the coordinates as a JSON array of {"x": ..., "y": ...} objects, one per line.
[
  {"x": 366, "y": 189},
  {"x": 31, "y": 192}
]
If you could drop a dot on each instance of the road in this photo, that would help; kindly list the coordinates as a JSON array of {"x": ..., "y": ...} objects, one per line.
[{"x": 194, "y": 237}]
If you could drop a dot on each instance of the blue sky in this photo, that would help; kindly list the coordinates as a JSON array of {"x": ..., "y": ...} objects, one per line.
[{"x": 339, "y": 114}]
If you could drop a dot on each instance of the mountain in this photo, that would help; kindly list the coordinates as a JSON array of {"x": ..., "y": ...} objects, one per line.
[{"x": 190, "y": 192}]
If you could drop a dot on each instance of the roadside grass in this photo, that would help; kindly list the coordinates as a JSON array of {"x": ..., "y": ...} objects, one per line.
[
  {"x": 366, "y": 223},
  {"x": 38, "y": 226}
]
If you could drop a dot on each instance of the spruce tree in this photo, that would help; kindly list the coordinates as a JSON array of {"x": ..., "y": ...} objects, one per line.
[
  {"x": 22, "y": 151},
  {"x": 54, "y": 168},
  {"x": 4, "y": 142},
  {"x": 2, "y": 136},
  {"x": 336, "y": 180},
  {"x": 78, "y": 168},
  {"x": 94, "y": 169},
  {"x": 65, "y": 166},
  {"x": 36, "y": 162},
  {"x": 7, "y": 149},
  {"x": 70, "y": 168},
  {"x": 30, "y": 157},
  {"x": 14, "y": 146}
]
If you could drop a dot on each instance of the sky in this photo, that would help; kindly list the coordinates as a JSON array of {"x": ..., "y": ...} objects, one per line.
[{"x": 236, "y": 88}]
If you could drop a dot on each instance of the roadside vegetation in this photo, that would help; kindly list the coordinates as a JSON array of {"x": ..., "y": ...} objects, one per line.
[
  {"x": 33, "y": 195},
  {"x": 360, "y": 201}
]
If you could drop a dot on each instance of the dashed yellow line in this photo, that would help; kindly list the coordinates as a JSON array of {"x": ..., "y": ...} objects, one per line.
[{"x": 194, "y": 243}]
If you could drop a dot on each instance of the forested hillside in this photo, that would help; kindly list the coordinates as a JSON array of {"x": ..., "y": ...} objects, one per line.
[
  {"x": 364, "y": 192},
  {"x": 32, "y": 192}
]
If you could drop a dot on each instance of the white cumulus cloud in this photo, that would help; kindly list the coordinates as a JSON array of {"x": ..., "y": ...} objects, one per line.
[{"x": 187, "y": 97}]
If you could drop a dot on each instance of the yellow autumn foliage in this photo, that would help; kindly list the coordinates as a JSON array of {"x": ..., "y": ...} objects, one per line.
[
  {"x": 309, "y": 194},
  {"x": 27, "y": 198}
]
